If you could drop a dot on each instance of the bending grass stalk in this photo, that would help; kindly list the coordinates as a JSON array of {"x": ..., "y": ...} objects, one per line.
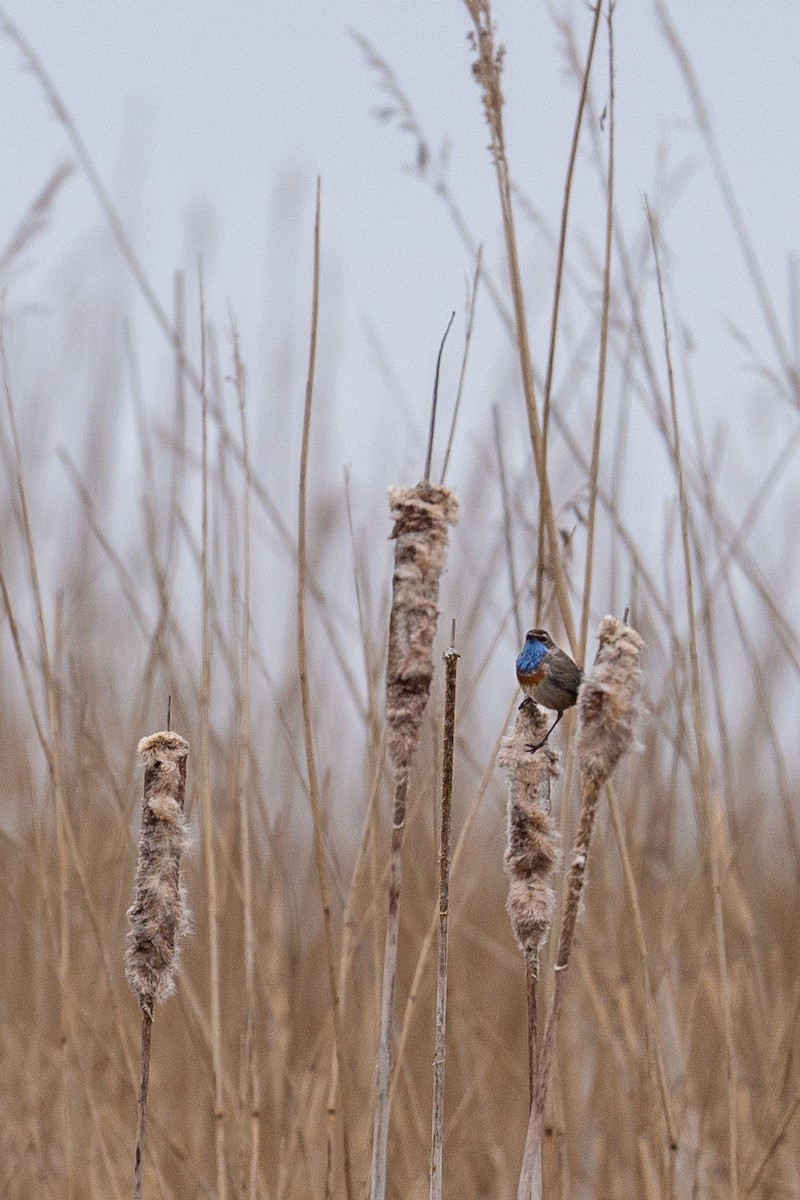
[
  {"x": 463, "y": 373},
  {"x": 606, "y": 707},
  {"x": 429, "y": 455},
  {"x": 422, "y": 516},
  {"x": 305, "y": 694},
  {"x": 79, "y": 146},
  {"x": 159, "y": 915},
  {"x": 437, "y": 1134},
  {"x": 206, "y": 811},
  {"x": 36, "y": 219},
  {"x": 562, "y": 247},
  {"x": 712, "y": 807},
  {"x": 172, "y": 333},
  {"x": 749, "y": 252},
  {"x": 486, "y": 69},
  {"x": 601, "y": 367}
]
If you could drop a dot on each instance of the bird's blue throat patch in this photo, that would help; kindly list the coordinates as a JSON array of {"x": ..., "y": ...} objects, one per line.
[{"x": 531, "y": 657}]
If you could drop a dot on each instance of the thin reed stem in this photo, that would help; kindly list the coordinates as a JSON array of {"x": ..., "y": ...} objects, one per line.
[
  {"x": 141, "y": 1117},
  {"x": 463, "y": 373},
  {"x": 63, "y": 115},
  {"x": 532, "y": 1008},
  {"x": 726, "y": 188},
  {"x": 562, "y": 248},
  {"x": 774, "y": 1142},
  {"x": 601, "y": 368},
  {"x": 426, "y": 474},
  {"x": 487, "y": 69},
  {"x": 439, "y": 1046},
  {"x": 656, "y": 1074},
  {"x": 710, "y": 801},
  {"x": 507, "y": 538},
  {"x": 253, "y": 1089},
  {"x": 305, "y": 694},
  {"x": 380, "y": 1133},
  {"x": 424, "y": 953},
  {"x": 206, "y": 809}
]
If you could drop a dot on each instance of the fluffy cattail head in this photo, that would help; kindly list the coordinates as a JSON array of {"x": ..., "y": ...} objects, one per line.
[
  {"x": 421, "y": 518},
  {"x": 532, "y": 847},
  {"x": 159, "y": 915},
  {"x": 607, "y": 701}
]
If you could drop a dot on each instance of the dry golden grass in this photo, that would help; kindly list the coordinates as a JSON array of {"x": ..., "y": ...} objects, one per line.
[{"x": 674, "y": 1069}]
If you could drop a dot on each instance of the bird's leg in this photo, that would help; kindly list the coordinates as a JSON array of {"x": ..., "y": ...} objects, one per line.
[{"x": 539, "y": 745}]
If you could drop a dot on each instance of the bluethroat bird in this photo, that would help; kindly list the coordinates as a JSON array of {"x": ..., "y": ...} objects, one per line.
[{"x": 548, "y": 676}]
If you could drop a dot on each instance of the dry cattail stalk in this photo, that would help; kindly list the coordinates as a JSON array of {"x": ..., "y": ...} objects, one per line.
[
  {"x": 531, "y": 853},
  {"x": 607, "y": 703},
  {"x": 159, "y": 915},
  {"x": 422, "y": 515},
  {"x": 532, "y": 847},
  {"x": 606, "y": 706}
]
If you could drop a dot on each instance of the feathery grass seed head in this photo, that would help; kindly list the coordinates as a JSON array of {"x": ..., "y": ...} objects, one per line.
[
  {"x": 421, "y": 518},
  {"x": 532, "y": 846},
  {"x": 159, "y": 915}
]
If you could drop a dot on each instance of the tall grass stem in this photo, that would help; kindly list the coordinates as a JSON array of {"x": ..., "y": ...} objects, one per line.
[{"x": 439, "y": 1044}]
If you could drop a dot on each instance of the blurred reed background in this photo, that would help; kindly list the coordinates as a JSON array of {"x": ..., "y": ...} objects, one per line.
[{"x": 675, "y": 1074}]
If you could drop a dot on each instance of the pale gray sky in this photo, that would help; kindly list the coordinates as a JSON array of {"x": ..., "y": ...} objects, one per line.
[
  {"x": 209, "y": 124},
  {"x": 200, "y": 116}
]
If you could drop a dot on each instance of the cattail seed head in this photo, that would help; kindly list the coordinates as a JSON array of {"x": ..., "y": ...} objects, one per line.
[
  {"x": 421, "y": 518},
  {"x": 532, "y": 847},
  {"x": 159, "y": 915},
  {"x": 607, "y": 702}
]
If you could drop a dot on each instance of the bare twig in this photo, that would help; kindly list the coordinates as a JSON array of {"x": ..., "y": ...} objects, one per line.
[{"x": 159, "y": 916}]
